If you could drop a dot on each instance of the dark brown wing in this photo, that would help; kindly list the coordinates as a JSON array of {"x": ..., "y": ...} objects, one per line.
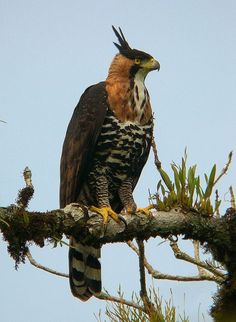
[{"x": 80, "y": 141}]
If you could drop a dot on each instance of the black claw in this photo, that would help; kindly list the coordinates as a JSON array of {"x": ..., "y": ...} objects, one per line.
[
  {"x": 85, "y": 211},
  {"x": 123, "y": 219}
]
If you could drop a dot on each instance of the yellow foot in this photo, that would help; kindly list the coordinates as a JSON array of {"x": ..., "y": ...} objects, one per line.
[
  {"x": 105, "y": 212},
  {"x": 146, "y": 210}
]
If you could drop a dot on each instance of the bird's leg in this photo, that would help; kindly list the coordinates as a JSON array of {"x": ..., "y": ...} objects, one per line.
[
  {"x": 126, "y": 195},
  {"x": 104, "y": 208}
]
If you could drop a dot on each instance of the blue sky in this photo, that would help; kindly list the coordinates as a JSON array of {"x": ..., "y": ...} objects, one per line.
[{"x": 50, "y": 52}]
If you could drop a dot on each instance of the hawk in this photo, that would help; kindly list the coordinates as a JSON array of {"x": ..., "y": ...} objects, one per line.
[{"x": 105, "y": 149}]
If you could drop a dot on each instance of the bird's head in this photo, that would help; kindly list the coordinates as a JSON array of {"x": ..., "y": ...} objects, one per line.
[{"x": 136, "y": 60}]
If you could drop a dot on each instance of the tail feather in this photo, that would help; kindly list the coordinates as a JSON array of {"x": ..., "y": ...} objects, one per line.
[{"x": 84, "y": 270}]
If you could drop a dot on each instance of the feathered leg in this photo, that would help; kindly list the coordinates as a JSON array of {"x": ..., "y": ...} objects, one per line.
[{"x": 126, "y": 195}]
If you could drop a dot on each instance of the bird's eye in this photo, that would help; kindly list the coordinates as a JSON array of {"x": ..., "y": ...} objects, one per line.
[{"x": 137, "y": 61}]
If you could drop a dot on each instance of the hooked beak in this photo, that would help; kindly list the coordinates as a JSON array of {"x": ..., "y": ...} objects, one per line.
[{"x": 151, "y": 64}]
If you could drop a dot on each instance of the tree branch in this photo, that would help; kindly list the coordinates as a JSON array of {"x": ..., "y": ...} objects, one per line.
[
  {"x": 196, "y": 261},
  {"x": 149, "y": 307},
  {"x": 156, "y": 158},
  {"x": 121, "y": 300},
  {"x": 20, "y": 226},
  {"x": 44, "y": 268},
  {"x": 102, "y": 296},
  {"x": 225, "y": 168},
  {"x": 73, "y": 220},
  {"x": 179, "y": 278}
]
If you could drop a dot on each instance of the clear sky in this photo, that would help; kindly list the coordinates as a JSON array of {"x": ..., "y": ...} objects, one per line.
[{"x": 50, "y": 52}]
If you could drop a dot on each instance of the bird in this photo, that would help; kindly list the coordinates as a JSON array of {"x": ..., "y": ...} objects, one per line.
[{"x": 106, "y": 146}]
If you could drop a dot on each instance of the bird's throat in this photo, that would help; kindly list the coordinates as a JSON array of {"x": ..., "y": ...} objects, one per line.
[{"x": 129, "y": 100}]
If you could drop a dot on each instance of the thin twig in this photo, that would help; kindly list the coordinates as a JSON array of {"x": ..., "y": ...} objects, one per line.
[
  {"x": 232, "y": 199},
  {"x": 156, "y": 159},
  {"x": 107, "y": 297},
  {"x": 149, "y": 307},
  {"x": 196, "y": 247},
  {"x": 225, "y": 168},
  {"x": 158, "y": 275},
  {"x": 143, "y": 292},
  {"x": 25, "y": 194},
  {"x": 44, "y": 268},
  {"x": 27, "y": 174},
  {"x": 217, "y": 213},
  {"x": 181, "y": 255},
  {"x": 101, "y": 296}
]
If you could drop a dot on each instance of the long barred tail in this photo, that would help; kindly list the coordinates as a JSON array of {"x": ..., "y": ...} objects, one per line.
[{"x": 84, "y": 270}]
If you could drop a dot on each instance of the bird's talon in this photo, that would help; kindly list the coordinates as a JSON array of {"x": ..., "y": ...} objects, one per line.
[
  {"x": 107, "y": 212},
  {"x": 123, "y": 220},
  {"x": 146, "y": 210}
]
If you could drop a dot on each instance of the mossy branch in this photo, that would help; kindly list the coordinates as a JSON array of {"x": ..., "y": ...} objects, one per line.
[{"x": 21, "y": 226}]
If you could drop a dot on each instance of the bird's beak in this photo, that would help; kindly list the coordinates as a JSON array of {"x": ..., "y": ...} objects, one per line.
[
  {"x": 156, "y": 65},
  {"x": 151, "y": 64}
]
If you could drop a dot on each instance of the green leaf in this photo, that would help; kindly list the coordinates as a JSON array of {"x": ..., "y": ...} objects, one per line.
[
  {"x": 163, "y": 190},
  {"x": 209, "y": 208},
  {"x": 182, "y": 173},
  {"x": 167, "y": 180},
  {"x": 211, "y": 181},
  {"x": 176, "y": 176},
  {"x": 158, "y": 185},
  {"x": 198, "y": 187},
  {"x": 191, "y": 180},
  {"x": 217, "y": 204},
  {"x": 160, "y": 205}
]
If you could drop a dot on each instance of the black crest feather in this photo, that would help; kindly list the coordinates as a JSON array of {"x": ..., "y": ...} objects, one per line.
[
  {"x": 125, "y": 49},
  {"x": 123, "y": 42}
]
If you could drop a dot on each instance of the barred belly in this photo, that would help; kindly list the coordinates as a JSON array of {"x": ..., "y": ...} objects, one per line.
[{"x": 121, "y": 152}]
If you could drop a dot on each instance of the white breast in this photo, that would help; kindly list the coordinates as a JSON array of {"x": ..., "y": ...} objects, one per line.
[{"x": 140, "y": 93}]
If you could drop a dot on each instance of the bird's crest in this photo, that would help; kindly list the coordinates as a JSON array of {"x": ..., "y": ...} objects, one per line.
[
  {"x": 125, "y": 49},
  {"x": 124, "y": 46}
]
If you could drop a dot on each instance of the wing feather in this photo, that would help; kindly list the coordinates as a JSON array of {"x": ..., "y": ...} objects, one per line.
[{"x": 80, "y": 141}]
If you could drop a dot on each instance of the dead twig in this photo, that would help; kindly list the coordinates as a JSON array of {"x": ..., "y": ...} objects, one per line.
[
  {"x": 101, "y": 296},
  {"x": 25, "y": 194},
  {"x": 158, "y": 275},
  {"x": 183, "y": 256},
  {"x": 44, "y": 268},
  {"x": 196, "y": 247},
  {"x": 156, "y": 159},
  {"x": 121, "y": 300},
  {"x": 225, "y": 168},
  {"x": 232, "y": 199},
  {"x": 148, "y": 305}
]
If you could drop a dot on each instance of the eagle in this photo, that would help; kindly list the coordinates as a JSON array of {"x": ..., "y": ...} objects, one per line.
[{"x": 106, "y": 146}]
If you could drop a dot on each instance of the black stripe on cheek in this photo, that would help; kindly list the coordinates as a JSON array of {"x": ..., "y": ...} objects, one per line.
[
  {"x": 77, "y": 275},
  {"x": 93, "y": 262}
]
